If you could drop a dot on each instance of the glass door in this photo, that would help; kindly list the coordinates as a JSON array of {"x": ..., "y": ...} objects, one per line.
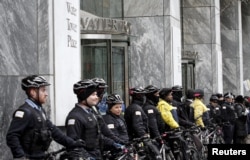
[{"x": 107, "y": 59}]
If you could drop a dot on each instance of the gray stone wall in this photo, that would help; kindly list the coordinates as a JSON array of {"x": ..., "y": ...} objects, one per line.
[
  {"x": 149, "y": 54},
  {"x": 230, "y": 34},
  {"x": 23, "y": 51},
  {"x": 201, "y": 34},
  {"x": 245, "y": 41}
]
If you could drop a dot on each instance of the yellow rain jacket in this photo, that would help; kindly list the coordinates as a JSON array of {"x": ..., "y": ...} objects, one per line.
[
  {"x": 166, "y": 114},
  {"x": 199, "y": 110}
]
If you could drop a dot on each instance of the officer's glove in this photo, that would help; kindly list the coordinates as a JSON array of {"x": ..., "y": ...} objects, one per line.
[
  {"x": 77, "y": 144},
  {"x": 118, "y": 146}
]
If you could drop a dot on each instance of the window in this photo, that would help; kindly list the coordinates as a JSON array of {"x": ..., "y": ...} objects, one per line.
[
  {"x": 106, "y": 58},
  {"x": 188, "y": 74}
]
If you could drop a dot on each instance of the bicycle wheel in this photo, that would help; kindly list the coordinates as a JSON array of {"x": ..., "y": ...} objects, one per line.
[
  {"x": 194, "y": 154},
  {"x": 169, "y": 156}
]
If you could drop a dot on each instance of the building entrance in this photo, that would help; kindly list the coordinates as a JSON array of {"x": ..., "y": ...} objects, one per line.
[{"x": 105, "y": 56}]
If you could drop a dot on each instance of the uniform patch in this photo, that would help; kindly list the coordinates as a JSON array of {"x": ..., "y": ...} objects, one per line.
[
  {"x": 19, "y": 114},
  {"x": 174, "y": 107},
  {"x": 217, "y": 108},
  {"x": 71, "y": 122},
  {"x": 208, "y": 109},
  {"x": 224, "y": 107},
  {"x": 111, "y": 126},
  {"x": 150, "y": 111},
  {"x": 138, "y": 113}
]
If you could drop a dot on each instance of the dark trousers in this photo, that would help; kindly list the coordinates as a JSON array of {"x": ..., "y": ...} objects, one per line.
[{"x": 228, "y": 132}]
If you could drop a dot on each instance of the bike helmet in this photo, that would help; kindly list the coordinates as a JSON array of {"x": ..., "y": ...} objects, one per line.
[
  {"x": 177, "y": 88},
  {"x": 228, "y": 95},
  {"x": 150, "y": 89},
  {"x": 84, "y": 88},
  {"x": 34, "y": 81},
  {"x": 136, "y": 90},
  {"x": 198, "y": 93},
  {"x": 101, "y": 82},
  {"x": 114, "y": 99},
  {"x": 214, "y": 98},
  {"x": 164, "y": 92},
  {"x": 190, "y": 94}
]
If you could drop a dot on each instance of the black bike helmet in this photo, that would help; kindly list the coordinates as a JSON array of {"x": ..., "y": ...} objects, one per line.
[
  {"x": 164, "y": 92},
  {"x": 101, "y": 82},
  {"x": 84, "y": 88},
  {"x": 34, "y": 81},
  {"x": 114, "y": 99},
  {"x": 177, "y": 88},
  {"x": 214, "y": 98},
  {"x": 150, "y": 89},
  {"x": 136, "y": 90},
  {"x": 198, "y": 93}
]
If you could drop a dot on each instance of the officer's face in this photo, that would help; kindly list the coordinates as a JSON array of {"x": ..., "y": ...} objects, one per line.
[
  {"x": 116, "y": 109},
  {"x": 93, "y": 99},
  {"x": 40, "y": 94}
]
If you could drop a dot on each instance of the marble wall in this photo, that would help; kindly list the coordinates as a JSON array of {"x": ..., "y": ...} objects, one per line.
[
  {"x": 150, "y": 50},
  {"x": 245, "y": 42},
  {"x": 201, "y": 34},
  {"x": 230, "y": 39},
  {"x": 23, "y": 51}
]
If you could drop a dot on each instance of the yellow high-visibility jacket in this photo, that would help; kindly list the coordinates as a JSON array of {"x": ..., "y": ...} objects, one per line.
[
  {"x": 199, "y": 110},
  {"x": 165, "y": 110}
]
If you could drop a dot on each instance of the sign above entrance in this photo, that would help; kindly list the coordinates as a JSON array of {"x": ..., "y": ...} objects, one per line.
[{"x": 94, "y": 24}]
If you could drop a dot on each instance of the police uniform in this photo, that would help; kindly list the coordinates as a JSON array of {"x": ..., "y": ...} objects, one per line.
[
  {"x": 136, "y": 120},
  {"x": 117, "y": 125},
  {"x": 82, "y": 124},
  {"x": 155, "y": 123},
  {"x": 30, "y": 132},
  {"x": 228, "y": 116}
]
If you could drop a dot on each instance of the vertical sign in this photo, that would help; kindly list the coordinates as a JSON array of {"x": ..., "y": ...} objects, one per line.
[{"x": 67, "y": 56}]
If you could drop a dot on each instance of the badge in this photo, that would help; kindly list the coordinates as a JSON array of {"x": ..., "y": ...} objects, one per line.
[
  {"x": 111, "y": 126},
  {"x": 71, "y": 122},
  {"x": 19, "y": 114},
  {"x": 150, "y": 111},
  {"x": 138, "y": 113}
]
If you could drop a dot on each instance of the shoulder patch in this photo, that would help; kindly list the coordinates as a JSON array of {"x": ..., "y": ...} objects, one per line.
[
  {"x": 111, "y": 126},
  {"x": 150, "y": 111},
  {"x": 19, "y": 114},
  {"x": 71, "y": 122},
  {"x": 138, "y": 113},
  {"x": 217, "y": 108},
  {"x": 224, "y": 107},
  {"x": 174, "y": 107}
]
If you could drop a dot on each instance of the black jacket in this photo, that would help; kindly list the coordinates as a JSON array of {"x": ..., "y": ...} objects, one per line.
[
  {"x": 155, "y": 123},
  {"x": 241, "y": 120},
  {"x": 30, "y": 133},
  {"x": 117, "y": 125},
  {"x": 227, "y": 113},
  {"x": 136, "y": 120}
]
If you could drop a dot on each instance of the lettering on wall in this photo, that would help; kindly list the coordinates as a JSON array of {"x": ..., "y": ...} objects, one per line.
[
  {"x": 104, "y": 25},
  {"x": 71, "y": 25},
  {"x": 194, "y": 55}
]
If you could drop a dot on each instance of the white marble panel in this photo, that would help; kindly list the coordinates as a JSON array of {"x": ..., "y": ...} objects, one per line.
[
  {"x": 196, "y": 25},
  {"x": 229, "y": 75},
  {"x": 137, "y": 8},
  {"x": 197, "y": 3},
  {"x": 172, "y": 7},
  {"x": 146, "y": 55},
  {"x": 18, "y": 48}
]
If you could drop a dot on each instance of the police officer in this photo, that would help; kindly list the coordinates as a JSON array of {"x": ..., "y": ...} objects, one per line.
[
  {"x": 102, "y": 107},
  {"x": 114, "y": 119},
  {"x": 228, "y": 117},
  {"x": 214, "y": 110},
  {"x": 81, "y": 122},
  {"x": 199, "y": 108},
  {"x": 183, "y": 111},
  {"x": 240, "y": 129},
  {"x": 31, "y": 132},
  {"x": 155, "y": 122},
  {"x": 168, "y": 112},
  {"x": 136, "y": 119}
]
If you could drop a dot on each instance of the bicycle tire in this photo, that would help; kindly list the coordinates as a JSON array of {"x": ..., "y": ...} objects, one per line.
[
  {"x": 194, "y": 154},
  {"x": 220, "y": 140}
]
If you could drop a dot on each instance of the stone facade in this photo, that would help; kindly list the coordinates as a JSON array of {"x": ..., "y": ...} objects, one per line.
[{"x": 218, "y": 31}]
